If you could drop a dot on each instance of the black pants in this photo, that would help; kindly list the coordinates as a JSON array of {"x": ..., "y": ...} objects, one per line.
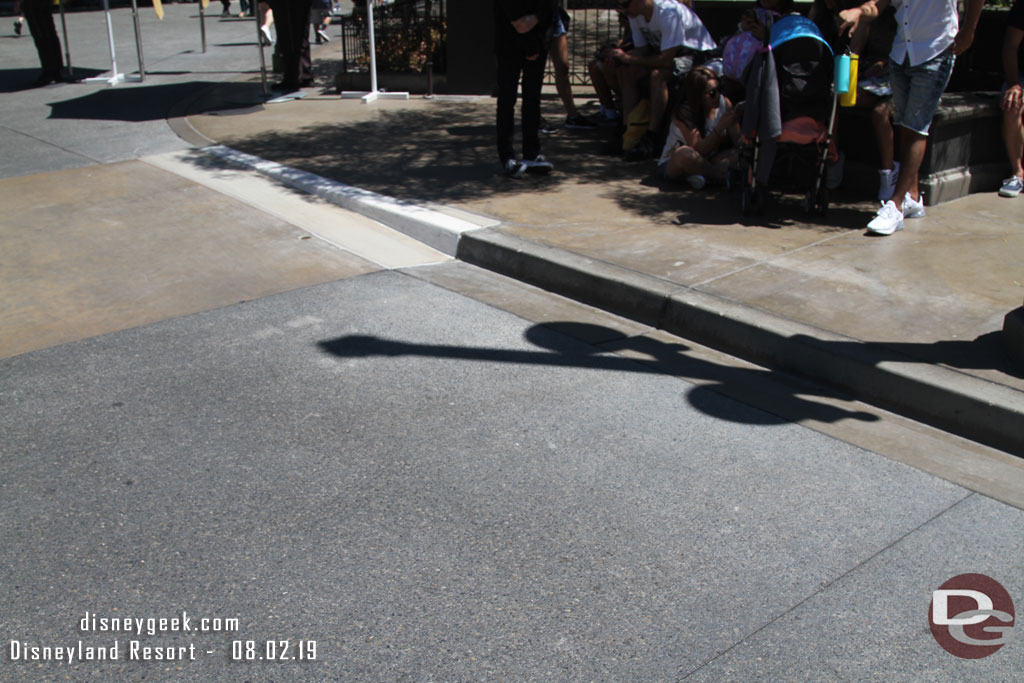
[
  {"x": 510, "y": 66},
  {"x": 39, "y": 15},
  {"x": 292, "y": 20}
]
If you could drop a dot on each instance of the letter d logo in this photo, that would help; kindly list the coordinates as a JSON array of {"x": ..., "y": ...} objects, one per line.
[{"x": 971, "y": 616}]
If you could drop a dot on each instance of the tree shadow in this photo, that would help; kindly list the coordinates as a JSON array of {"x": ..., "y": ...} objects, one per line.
[
  {"x": 569, "y": 344},
  {"x": 446, "y": 153}
]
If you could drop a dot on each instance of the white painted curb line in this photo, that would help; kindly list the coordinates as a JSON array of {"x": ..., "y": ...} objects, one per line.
[{"x": 436, "y": 229}]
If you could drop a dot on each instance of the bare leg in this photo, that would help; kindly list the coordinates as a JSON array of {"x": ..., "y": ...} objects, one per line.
[
  {"x": 601, "y": 84},
  {"x": 883, "y": 134},
  {"x": 659, "y": 97},
  {"x": 1013, "y": 135},
  {"x": 559, "y": 52},
  {"x": 912, "y": 148}
]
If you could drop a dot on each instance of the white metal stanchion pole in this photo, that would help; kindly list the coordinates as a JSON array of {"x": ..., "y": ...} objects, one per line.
[
  {"x": 202, "y": 25},
  {"x": 259, "y": 46},
  {"x": 374, "y": 94},
  {"x": 138, "y": 40},
  {"x": 67, "y": 47},
  {"x": 115, "y": 75}
]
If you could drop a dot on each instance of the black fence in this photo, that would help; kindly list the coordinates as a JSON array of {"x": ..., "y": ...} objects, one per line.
[{"x": 410, "y": 34}]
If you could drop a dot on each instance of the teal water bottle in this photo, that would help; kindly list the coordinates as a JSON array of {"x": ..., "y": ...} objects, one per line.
[{"x": 842, "y": 74}]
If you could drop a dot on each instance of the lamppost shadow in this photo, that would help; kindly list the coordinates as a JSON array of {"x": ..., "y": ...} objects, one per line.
[{"x": 560, "y": 345}]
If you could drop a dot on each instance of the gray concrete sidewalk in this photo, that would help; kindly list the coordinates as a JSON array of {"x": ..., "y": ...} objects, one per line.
[{"x": 931, "y": 298}]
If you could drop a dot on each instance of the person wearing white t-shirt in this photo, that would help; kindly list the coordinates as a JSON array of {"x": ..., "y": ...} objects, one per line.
[{"x": 668, "y": 38}]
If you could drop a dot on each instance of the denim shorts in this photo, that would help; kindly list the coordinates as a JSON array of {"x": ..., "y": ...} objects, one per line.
[
  {"x": 916, "y": 90},
  {"x": 558, "y": 27}
]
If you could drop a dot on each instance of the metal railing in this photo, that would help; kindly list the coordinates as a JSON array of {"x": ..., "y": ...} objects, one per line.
[{"x": 409, "y": 34}]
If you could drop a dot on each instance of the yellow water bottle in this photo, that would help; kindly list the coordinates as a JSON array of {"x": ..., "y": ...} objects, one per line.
[{"x": 849, "y": 98}]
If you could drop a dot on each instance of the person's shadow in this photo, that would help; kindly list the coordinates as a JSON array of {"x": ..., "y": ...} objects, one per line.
[{"x": 779, "y": 401}]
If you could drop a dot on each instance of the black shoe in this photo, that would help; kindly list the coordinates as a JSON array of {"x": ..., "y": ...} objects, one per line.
[
  {"x": 284, "y": 86},
  {"x": 546, "y": 128},
  {"x": 579, "y": 122},
  {"x": 46, "y": 78},
  {"x": 17, "y": 27}
]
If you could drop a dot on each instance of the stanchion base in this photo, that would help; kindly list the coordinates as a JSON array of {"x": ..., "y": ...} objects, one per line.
[
  {"x": 114, "y": 80},
  {"x": 286, "y": 97},
  {"x": 368, "y": 97}
]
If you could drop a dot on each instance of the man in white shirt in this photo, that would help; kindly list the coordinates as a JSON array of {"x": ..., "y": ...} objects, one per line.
[
  {"x": 928, "y": 38},
  {"x": 668, "y": 38}
]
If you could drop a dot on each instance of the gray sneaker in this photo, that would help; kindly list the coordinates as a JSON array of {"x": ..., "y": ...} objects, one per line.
[
  {"x": 513, "y": 168},
  {"x": 1012, "y": 186},
  {"x": 538, "y": 165}
]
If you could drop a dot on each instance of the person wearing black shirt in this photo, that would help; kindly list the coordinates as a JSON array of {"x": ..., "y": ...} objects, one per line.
[{"x": 522, "y": 29}]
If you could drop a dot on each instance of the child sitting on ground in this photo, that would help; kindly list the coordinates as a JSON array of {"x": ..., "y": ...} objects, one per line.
[{"x": 702, "y": 138}]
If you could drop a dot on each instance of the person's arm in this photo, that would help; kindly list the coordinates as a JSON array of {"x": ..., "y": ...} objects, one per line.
[
  {"x": 1013, "y": 98},
  {"x": 965, "y": 36},
  {"x": 850, "y": 19},
  {"x": 661, "y": 60}
]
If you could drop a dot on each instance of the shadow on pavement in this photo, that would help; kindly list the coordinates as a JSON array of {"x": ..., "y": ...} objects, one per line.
[
  {"x": 144, "y": 102},
  {"x": 16, "y": 80},
  {"x": 559, "y": 339},
  {"x": 446, "y": 154}
]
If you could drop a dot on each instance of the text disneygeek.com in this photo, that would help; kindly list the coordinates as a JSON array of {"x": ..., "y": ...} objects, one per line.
[{"x": 123, "y": 647}]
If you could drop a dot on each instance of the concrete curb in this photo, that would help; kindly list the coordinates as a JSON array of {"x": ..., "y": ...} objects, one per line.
[
  {"x": 952, "y": 401},
  {"x": 983, "y": 411},
  {"x": 435, "y": 229}
]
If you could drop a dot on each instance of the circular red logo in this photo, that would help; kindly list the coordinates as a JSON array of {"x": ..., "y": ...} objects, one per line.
[{"x": 971, "y": 616}]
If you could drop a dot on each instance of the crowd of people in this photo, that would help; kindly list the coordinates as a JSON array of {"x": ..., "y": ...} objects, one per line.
[{"x": 675, "y": 93}]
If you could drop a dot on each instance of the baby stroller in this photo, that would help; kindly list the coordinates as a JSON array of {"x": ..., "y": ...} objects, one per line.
[{"x": 789, "y": 117}]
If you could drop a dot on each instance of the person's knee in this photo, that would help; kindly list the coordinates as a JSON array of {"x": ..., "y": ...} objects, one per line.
[{"x": 880, "y": 112}]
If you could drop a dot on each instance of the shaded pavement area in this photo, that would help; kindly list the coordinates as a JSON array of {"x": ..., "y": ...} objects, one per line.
[{"x": 936, "y": 293}]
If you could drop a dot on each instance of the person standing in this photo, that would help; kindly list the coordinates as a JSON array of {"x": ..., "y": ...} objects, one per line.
[
  {"x": 928, "y": 38},
  {"x": 521, "y": 29},
  {"x": 1013, "y": 99},
  {"x": 39, "y": 14},
  {"x": 292, "y": 20}
]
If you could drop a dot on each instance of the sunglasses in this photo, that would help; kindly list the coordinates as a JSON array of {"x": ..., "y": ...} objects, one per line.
[{"x": 712, "y": 93}]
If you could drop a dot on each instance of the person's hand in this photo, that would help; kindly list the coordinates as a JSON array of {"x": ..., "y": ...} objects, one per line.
[
  {"x": 1013, "y": 99},
  {"x": 619, "y": 55},
  {"x": 525, "y": 24},
  {"x": 849, "y": 20},
  {"x": 963, "y": 40}
]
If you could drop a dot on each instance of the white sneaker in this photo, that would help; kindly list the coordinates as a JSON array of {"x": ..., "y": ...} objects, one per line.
[
  {"x": 887, "y": 182},
  {"x": 267, "y": 39},
  {"x": 322, "y": 32},
  {"x": 888, "y": 220},
  {"x": 912, "y": 208}
]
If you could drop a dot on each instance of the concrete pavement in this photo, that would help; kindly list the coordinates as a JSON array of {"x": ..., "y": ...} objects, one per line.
[
  {"x": 912, "y": 323},
  {"x": 291, "y": 422}
]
